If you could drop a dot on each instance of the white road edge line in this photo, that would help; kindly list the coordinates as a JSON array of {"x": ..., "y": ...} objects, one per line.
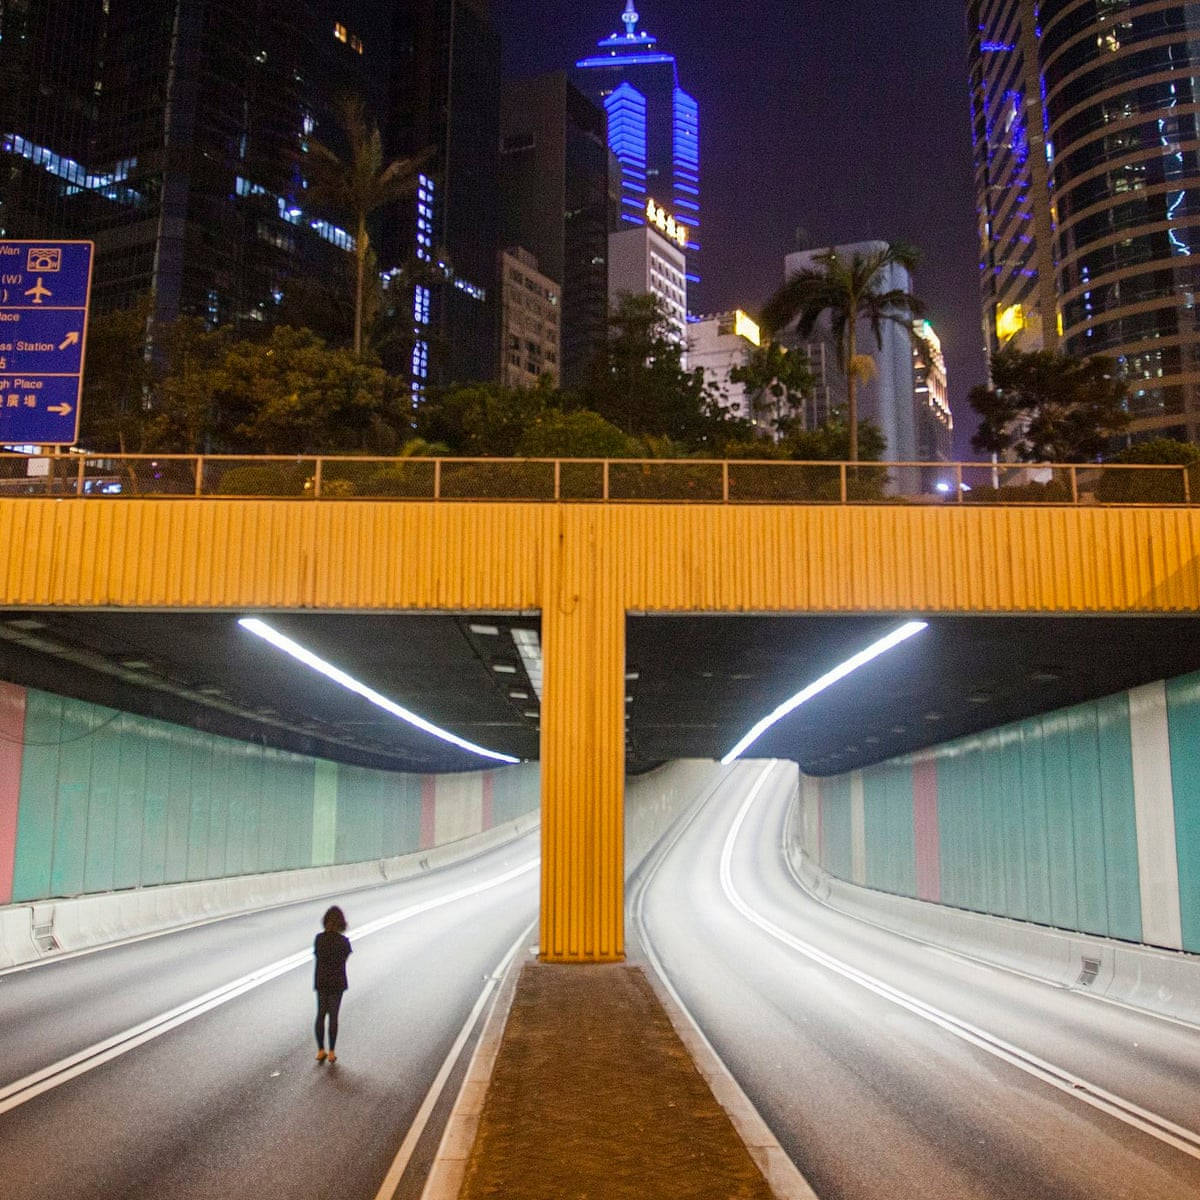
[
  {"x": 960, "y": 955},
  {"x": 793, "y": 1186},
  {"x": 23, "y": 1090},
  {"x": 133, "y": 939},
  {"x": 391, "y": 1181},
  {"x": 1097, "y": 1097}
]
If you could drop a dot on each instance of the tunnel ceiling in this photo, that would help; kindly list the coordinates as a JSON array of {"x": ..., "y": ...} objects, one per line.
[{"x": 696, "y": 683}]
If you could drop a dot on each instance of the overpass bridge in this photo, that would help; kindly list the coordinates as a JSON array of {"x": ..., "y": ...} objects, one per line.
[{"x": 590, "y": 556}]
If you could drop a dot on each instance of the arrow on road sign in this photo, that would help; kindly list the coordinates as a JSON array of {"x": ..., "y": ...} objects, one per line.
[
  {"x": 61, "y": 410},
  {"x": 72, "y": 339}
]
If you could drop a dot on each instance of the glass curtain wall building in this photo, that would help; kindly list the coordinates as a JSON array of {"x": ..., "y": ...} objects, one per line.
[
  {"x": 653, "y": 128},
  {"x": 175, "y": 134},
  {"x": 1088, "y": 174}
]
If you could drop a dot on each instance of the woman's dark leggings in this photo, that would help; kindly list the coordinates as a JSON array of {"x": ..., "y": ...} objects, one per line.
[{"x": 328, "y": 1004}]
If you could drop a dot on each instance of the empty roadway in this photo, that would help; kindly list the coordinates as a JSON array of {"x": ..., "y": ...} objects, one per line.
[{"x": 231, "y": 1103}]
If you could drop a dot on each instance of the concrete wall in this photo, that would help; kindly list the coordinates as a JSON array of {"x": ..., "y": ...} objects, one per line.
[
  {"x": 93, "y": 801},
  {"x": 1087, "y": 819},
  {"x": 654, "y": 802}
]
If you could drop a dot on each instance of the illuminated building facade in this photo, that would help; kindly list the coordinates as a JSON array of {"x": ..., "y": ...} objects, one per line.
[
  {"x": 554, "y": 186},
  {"x": 1085, "y": 116},
  {"x": 444, "y": 88},
  {"x": 935, "y": 424},
  {"x": 530, "y": 323},
  {"x": 889, "y": 398},
  {"x": 643, "y": 262},
  {"x": 175, "y": 133},
  {"x": 718, "y": 344},
  {"x": 653, "y": 126}
]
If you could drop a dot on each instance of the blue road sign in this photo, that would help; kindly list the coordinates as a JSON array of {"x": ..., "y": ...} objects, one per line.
[{"x": 44, "y": 291}]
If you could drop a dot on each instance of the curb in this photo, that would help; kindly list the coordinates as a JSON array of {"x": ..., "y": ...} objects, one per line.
[
  {"x": 782, "y": 1175},
  {"x": 449, "y": 1167}
]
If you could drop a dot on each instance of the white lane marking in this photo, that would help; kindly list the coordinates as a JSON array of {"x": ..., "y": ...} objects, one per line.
[
  {"x": 956, "y": 954},
  {"x": 292, "y": 901},
  {"x": 391, "y": 1182},
  {"x": 26, "y": 1089},
  {"x": 788, "y": 1180},
  {"x": 1073, "y": 1085}
]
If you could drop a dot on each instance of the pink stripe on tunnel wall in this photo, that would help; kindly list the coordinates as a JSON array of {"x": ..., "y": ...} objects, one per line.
[
  {"x": 12, "y": 753},
  {"x": 925, "y": 823},
  {"x": 428, "y": 811},
  {"x": 822, "y": 854},
  {"x": 488, "y": 806}
]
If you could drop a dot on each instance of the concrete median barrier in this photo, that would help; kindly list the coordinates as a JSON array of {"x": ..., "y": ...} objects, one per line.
[{"x": 88, "y": 921}]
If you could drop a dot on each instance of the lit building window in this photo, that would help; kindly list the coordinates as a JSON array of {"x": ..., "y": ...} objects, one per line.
[{"x": 347, "y": 38}]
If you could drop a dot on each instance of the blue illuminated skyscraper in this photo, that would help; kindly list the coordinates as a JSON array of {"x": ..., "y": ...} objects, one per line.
[{"x": 653, "y": 128}]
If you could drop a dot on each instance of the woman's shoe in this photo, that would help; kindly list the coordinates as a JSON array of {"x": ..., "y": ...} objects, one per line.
[
  {"x": 322, "y": 1056},
  {"x": 332, "y": 1058}
]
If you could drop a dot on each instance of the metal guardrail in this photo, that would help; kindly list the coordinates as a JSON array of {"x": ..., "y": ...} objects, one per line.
[{"x": 87, "y": 476}]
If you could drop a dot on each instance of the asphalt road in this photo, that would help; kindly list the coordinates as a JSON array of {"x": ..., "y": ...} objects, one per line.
[
  {"x": 229, "y": 1102},
  {"x": 890, "y": 1069}
]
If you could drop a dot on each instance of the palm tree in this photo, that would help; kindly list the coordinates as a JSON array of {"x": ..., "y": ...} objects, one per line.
[
  {"x": 360, "y": 185},
  {"x": 849, "y": 292}
]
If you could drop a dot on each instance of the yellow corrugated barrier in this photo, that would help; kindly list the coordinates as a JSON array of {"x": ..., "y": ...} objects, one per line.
[{"x": 585, "y": 566}]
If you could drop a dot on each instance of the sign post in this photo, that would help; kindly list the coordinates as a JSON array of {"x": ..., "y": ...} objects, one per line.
[{"x": 44, "y": 293}]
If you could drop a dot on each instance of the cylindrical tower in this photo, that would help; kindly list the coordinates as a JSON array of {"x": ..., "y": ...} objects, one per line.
[
  {"x": 1122, "y": 103},
  {"x": 1101, "y": 98}
]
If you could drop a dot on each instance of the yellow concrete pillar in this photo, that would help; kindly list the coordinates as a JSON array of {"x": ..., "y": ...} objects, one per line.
[{"x": 583, "y": 740}]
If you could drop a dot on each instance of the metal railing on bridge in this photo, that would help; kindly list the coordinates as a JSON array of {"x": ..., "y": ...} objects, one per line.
[{"x": 590, "y": 480}]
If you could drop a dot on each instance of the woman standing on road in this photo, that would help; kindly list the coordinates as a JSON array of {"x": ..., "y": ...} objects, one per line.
[{"x": 331, "y": 949}]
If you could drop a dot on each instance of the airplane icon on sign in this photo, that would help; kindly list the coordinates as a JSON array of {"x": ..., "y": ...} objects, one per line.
[{"x": 40, "y": 292}]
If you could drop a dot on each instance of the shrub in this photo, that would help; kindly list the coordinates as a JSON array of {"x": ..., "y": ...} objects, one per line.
[
  {"x": 1150, "y": 487},
  {"x": 265, "y": 479}
]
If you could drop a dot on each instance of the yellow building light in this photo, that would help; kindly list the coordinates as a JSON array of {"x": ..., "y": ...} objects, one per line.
[
  {"x": 1010, "y": 322},
  {"x": 743, "y": 326},
  {"x": 667, "y": 224}
]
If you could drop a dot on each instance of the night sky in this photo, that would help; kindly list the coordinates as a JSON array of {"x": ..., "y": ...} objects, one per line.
[{"x": 847, "y": 119}]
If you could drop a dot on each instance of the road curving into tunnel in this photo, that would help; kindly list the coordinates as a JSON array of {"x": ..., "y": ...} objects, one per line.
[{"x": 886, "y": 1067}]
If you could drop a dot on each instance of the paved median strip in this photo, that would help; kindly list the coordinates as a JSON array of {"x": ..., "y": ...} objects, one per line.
[
  {"x": 20, "y": 1092},
  {"x": 1156, "y": 1126}
]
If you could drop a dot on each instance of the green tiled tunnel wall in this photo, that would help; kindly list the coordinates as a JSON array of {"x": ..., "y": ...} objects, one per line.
[
  {"x": 1086, "y": 819},
  {"x": 93, "y": 800}
]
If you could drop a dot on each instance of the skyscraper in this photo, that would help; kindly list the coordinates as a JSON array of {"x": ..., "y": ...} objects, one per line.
[
  {"x": 1085, "y": 119},
  {"x": 653, "y": 128},
  {"x": 554, "y": 176},
  {"x": 175, "y": 132},
  {"x": 889, "y": 398}
]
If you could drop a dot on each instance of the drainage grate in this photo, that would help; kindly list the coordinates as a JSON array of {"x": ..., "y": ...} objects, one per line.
[{"x": 1089, "y": 969}]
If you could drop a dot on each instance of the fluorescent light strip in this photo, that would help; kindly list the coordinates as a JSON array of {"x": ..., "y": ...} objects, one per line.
[
  {"x": 826, "y": 681},
  {"x": 300, "y": 654}
]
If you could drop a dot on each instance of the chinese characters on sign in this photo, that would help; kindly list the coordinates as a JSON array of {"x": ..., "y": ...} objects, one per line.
[
  {"x": 44, "y": 289},
  {"x": 664, "y": 222}
]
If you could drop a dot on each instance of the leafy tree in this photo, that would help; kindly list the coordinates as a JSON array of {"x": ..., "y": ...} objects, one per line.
[
  {"x": 639, "y": 383},
  {"x": 1049, "y": 407},
  {"x": 295, "y": 394},
  {"x": 579, "y": 434},
  {"x": 117, "y": 415},
  {"x": 848, "y": 292},
  {"x": 187, "y": 394},
  {"x": 831, "y": 442},
  {"x": 1159, "y": 451},
  {"x": 360, "y": 185},
  {"x": 484, "y": 420},
  {"x": 777, "y": 383}
]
